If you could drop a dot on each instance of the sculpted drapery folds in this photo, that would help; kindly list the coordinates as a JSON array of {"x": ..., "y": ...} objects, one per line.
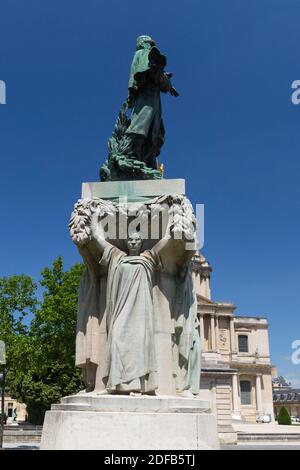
[{"x": 121, "y": 294}]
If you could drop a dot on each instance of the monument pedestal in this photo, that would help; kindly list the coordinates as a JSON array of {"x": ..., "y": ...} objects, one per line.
[
  {"x": 157, "y": 338},
  {"x": 112, "y": 422}
]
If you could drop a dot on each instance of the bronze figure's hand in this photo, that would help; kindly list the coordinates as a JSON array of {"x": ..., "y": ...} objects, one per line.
[{"x": 174, "y": 92}]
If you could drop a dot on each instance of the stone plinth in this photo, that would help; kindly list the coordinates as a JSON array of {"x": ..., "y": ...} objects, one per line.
[
  {"x": 133, "y": 190},
  {"x": 111, "y": 422}
]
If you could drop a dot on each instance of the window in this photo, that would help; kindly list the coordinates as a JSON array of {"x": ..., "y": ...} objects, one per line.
[
  {"x": 10, "y": 409},
  {"x": 245, "y": 392},
  {"x": 243, "y": 343}
]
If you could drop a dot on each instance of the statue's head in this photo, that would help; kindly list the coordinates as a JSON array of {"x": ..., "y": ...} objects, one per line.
[
  {"x": 143, "y": 42},
  {"x": 134, "y": 243}
]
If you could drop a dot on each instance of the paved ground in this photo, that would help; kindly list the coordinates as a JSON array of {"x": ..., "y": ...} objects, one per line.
[
  {"x": 266, "y": 428},
  {"x": 21, "y": 446},
  {"x": 262, "y": 447},
  {"x": 34, "y": 446}
]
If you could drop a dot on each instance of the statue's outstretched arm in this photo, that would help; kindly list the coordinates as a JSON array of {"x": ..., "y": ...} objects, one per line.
[
  {"x": 174, "y": 249},
  {"x": 97, "y": 232}
]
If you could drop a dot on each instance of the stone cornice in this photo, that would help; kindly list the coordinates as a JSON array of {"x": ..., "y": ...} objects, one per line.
[
  {"x": 224, "y": 372},
  {"x": 244, "y": 368},
  {"x": 206, "y": 309},
  {"x": 245, "y": 321}
]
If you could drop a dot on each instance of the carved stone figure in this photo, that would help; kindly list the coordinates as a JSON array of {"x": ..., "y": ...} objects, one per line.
[
  {"x": 130, "y": 296},
  {"x": 130, "y": 355}
]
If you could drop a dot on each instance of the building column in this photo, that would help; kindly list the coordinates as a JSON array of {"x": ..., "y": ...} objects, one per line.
[
  {"x": 202, "y": 329},
  {"x": 214, "y": 396},
  {"x": 259, "y": 407},
  {"x": 235, "y": 395},
  {"x": 213, "y": 333},
  {"x": 217, "y": 333},
  {"x": 232, "y": 336}
]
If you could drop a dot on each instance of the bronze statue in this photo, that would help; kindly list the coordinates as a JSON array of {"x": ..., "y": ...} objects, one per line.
[{"x": 136, "y": 142}]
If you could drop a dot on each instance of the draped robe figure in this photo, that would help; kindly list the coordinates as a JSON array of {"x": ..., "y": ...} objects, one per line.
[
  {"x": 130, "y": 362},
  {"x": 128, "y": 305}
]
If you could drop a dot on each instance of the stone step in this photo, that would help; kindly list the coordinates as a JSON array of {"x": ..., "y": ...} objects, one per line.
[
  {"x": 256, "y": 437},
  {"x": 17, "y": 436},
  {"x": 127, "y": 403}
]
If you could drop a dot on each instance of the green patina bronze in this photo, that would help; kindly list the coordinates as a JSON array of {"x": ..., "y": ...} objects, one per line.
[{"x": 136, "y": 142}]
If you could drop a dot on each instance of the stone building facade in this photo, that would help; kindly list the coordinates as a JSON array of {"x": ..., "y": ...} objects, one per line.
[
  {"x": 10, "y": 405},
  {"x": 236, "y": 365}
]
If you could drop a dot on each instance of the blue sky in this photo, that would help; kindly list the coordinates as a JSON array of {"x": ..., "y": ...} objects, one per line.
[{"x": 233, "y": 134}]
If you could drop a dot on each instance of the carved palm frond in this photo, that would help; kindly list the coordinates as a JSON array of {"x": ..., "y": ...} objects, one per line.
[{"x": 120, "y": 161}]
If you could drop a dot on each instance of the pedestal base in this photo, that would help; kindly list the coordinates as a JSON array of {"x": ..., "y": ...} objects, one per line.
[
  {"x": 136, "y": 190},
  {"x": 112, "y": 422}
]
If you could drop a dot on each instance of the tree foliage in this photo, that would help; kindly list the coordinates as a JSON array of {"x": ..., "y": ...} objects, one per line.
[
  {"x": 41, "y": 355},
  {"x": 17, "y": 300}
]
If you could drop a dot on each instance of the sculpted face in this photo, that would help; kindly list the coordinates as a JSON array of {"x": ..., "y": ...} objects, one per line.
[{"x": 134, "y": 244}]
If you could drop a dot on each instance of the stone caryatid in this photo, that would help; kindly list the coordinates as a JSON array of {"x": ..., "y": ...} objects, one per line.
[
  {"x": 137, "y": 325},
  {"x": 136, "y": 142}
]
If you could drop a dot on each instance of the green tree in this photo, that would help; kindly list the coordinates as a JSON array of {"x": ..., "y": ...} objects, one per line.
[
  {"x": 284, "y": 417},
  {"x": 43, "y": 358},
  {"x": 17, "y": 302}
]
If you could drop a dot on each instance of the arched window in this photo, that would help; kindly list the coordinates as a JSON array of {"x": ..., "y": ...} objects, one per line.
[
  {"x": 243, "y": 343},
  {"x": 245, "y": 386}
]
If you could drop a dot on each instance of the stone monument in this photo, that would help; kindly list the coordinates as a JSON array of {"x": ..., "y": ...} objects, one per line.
[{"x": 137, "y": 340}]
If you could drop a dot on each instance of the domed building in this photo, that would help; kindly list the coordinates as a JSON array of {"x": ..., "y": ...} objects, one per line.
[{"x": 236, "y": 365}]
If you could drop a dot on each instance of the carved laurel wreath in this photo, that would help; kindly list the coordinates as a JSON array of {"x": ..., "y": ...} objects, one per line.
[{"x": 180, "y": 212}]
